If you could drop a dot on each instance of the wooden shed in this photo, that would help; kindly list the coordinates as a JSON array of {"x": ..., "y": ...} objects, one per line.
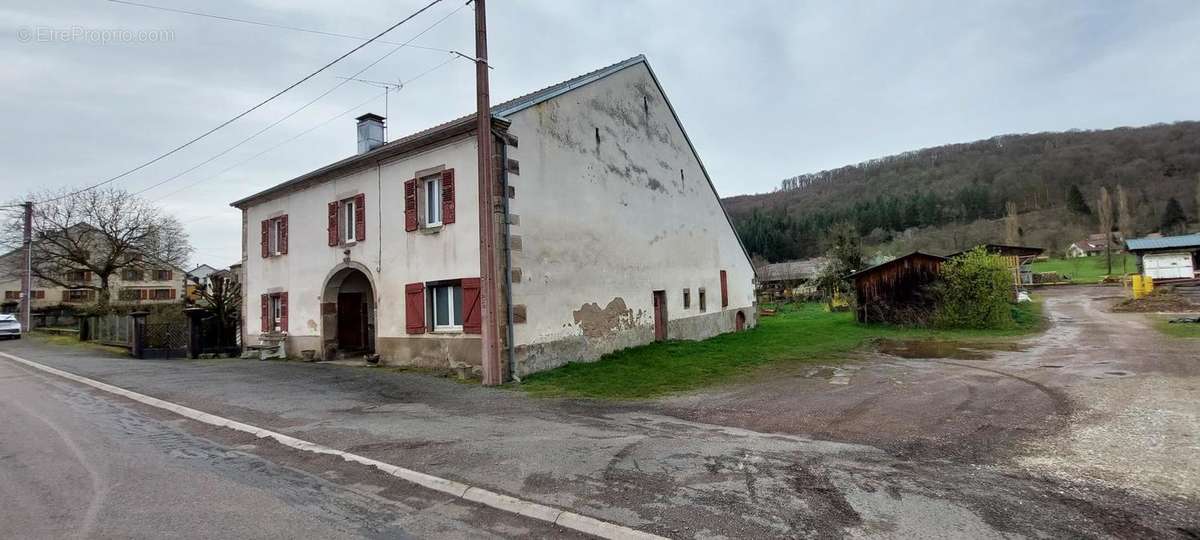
[{"x": 897, "y": 291}]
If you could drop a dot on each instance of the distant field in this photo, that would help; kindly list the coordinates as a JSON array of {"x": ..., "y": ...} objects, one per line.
[{"x": 1088, "y": 269}]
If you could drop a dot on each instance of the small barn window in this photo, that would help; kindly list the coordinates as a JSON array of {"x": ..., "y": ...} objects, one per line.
[
  {"x": 703, "y": 304},
  {"x": 687, "y": 298}
]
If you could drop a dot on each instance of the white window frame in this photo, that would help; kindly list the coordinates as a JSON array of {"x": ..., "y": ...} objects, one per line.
[
  {"x": 451, "y": 307},
  {"x": 275, "y": 311},
  {"x": 273, "y": 236},
  {"x": 432, "y": 187},
  {"x": 349, "y": 232}
]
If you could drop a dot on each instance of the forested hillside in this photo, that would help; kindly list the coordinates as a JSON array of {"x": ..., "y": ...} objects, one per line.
[{"x": 950, "y": 197}]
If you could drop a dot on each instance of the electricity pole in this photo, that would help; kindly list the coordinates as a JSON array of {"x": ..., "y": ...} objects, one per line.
[
  {"x": 27, "y": 270},
  {"x": 492, "y": 374}
]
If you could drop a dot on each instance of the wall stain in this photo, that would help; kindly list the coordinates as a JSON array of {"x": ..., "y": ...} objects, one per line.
[{"x": 596, "y": 322}]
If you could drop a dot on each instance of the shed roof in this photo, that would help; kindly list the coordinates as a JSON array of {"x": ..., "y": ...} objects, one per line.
[
  {"x": 893, "y": 262},
  {"x": 1005, "y": 249},
  {"x": 1167, "y": 242},
  {"x": 783, "y": 271}
]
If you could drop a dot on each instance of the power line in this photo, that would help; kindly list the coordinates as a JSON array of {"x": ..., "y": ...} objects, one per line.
[
  {"x": 297, "y": 136},
  {"x": 267, "y": 24},
  {"x": 251, "y": 109},
  {"x": 310, "y": 102}
]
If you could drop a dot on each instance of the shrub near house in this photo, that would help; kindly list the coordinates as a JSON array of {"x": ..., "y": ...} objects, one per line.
[{"x": 975, "y": 291}]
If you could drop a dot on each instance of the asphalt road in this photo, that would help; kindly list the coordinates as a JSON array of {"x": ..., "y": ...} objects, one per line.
[{"x": 75, "y": 463}]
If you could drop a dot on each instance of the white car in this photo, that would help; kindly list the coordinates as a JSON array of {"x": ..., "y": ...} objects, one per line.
[{"x": 10, "y": 327}]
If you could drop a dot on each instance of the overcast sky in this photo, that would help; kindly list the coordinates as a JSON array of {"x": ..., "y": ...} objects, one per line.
[{"x": 766, "y": 90}]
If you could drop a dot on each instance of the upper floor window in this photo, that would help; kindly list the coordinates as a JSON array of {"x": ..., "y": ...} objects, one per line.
[
  {"x": 163, "y": 275},
  {"x": 347, "y": 221},
  {"x": 433, "y": 200},
  {"x": 349, "y": 231},
  {"x": 429, "y": 201},
  {"x": 132, "y": 274},
  {"x": 275, "y": 236}
]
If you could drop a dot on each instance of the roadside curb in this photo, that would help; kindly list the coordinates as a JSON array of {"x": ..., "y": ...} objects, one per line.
[{"x": 506, "y": 503}]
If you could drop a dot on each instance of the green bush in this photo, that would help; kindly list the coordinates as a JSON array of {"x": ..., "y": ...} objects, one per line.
[{"x": 976, "y": 292}]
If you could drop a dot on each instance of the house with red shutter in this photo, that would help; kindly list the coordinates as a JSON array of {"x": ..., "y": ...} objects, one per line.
[
  {"x": 609, "y": 234},
  {"x": 79, "y": 288}
]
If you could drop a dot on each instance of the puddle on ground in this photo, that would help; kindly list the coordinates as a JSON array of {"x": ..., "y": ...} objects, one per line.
[{"x": 958, "y": 350}]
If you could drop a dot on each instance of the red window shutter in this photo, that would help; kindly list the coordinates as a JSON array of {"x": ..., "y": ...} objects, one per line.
[
  {"x": 414, "y": 308},
  {"x": 724, "y": 290},
  {"x": 283, "y": 233},
  {"x": 448, "y": 196},
  {"x": 66, "y": 296},
  {"x": 472, "y": 320},
  {"x": 143, "y": 294},
  {"x": 410, "y": 205},
  {"x": 170, "y": 275},
  {"x": 283, "y": 312},
  {"x": 360, "y": 217},
  {"x": 333, "y": 223},
  {"x": 87, "y": 276},
  {"x": 266, "y": 238},
  {"x": 171, "y": 294},
  {"x": 266, "y": 313}
]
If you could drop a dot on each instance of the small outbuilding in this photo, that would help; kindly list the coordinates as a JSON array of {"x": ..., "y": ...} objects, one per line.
[
  {"x": 1167, "y": 257},
  {"x": 1019, "y": 258},
  {"x": 897, "y": 291},
  {"x": 788, "y": 278}
]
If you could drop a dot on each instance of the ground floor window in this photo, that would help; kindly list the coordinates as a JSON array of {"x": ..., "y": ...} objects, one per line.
[
  {"x": 446, "y": 302},
  {"x": 276, "y": 313}
]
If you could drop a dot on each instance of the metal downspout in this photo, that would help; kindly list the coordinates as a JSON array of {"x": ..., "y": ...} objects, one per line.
[{"x": 510, "y": 351}]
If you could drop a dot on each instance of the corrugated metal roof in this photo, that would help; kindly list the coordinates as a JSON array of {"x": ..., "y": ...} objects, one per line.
[{"x": 1166, "y": 242}]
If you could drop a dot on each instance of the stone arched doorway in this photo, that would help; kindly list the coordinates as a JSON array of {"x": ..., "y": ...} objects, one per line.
[{"x": 348, "y": 314}]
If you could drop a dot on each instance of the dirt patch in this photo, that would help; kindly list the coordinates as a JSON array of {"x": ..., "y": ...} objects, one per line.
[
  {"x": 1159, "y": 301},
  {"x": 957, "y": 350}
]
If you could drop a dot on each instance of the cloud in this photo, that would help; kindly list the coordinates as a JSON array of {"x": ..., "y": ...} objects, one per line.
[{"x": 766, "y": 90}]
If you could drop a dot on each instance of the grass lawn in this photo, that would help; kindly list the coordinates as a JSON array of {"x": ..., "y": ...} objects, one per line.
[
  {"x": 1088, "y": 269},
  {"x": 1178, "y": 330},
  {"x": 798, "y": 333},
  {"x": 72, "y": 341}
]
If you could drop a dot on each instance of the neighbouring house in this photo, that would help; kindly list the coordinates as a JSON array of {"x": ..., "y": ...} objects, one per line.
[
  {"x": 791, "y": 278},
  {"x": 897, "y": 291},
  {"x": 1094, "y": 245},
  {"x": 1019, "y": 258},
  {"x": 197, "y": 278},
  {"x": 610, "y": 234},
  {"x": 128, "y": 286},
  {"x": 1167, "y": 257}
]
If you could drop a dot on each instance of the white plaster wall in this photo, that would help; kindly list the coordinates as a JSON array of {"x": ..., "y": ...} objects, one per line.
[
  {"x": 615, "y": 219},
  {"x": 393, "y": 256}
]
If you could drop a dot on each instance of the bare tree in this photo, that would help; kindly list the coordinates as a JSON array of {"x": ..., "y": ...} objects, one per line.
[
  {"x": 1198, "y": 197},
  {"x": 222, "y": 297},
  {"x": 1124, "y": 218},
  {"x": 81, "y": 240},
  {"x": 1105, "y": 214},
  {"x": 1012, "y": 227}
]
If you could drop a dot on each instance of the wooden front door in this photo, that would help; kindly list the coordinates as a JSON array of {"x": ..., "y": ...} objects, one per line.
[
  {"x": 660, "y": 315},
  {"x": 350, "y": 322}
]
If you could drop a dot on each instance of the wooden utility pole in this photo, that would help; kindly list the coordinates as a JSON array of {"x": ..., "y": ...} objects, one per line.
[
  {"x": 492, "y": 374},
  {"x": 27, "y": 270}
]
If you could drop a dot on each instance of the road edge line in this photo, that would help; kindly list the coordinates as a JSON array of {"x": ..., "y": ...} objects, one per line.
[{"x": 491, "y": 499}]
